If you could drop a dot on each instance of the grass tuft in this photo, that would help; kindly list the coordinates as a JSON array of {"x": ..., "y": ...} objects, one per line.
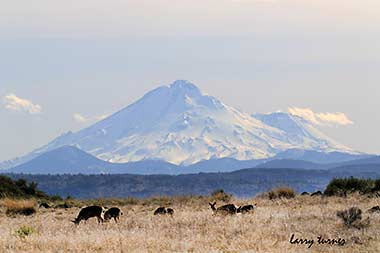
[{"x": 24, "y": 231}]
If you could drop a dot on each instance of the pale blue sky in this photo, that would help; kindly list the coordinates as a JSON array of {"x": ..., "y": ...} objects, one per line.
[{"x": 95, "y": 57}]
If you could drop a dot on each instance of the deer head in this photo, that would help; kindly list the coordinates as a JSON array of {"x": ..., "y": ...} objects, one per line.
[
  {"x": 76, "y": 221},
  {"x": 213, "y": 206}
]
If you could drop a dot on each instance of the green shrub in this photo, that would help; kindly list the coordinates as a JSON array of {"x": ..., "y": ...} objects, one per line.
[
  {"x": 25, "y": 231},
  {"x": 376, "y": 186},
  {"x": 343, "y": 186},
  {"x": 55, "y": 198}
]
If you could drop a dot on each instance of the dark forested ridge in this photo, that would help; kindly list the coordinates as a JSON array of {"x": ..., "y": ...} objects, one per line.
[
  {"x": 71, "y": 160},
  {"x": 19, "y": 188},
  {"x": 242, "y": 183}
]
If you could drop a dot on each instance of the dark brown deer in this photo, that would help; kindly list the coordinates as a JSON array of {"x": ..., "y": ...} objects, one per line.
[
  {"x": 170, "y": 211},
  {"x": 246, "y": 208},
  {"x": 226, "y": 209},
  {"x": 45, "y": 205},
  {"x": 317, "y": 193},
  {"x": 160, "y": 210},
  {"x": 375, "y": 209},
  {"x": 89, "y": 212},
  {"x": 114, "y": 213}
]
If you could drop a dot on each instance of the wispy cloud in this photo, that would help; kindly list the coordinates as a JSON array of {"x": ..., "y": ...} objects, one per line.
[
  {"x": 82, "y": 119},
  {"x": 337, "y": 118},
  {"x": 322, "y": 118},
  {"x": 15, "y": 103},
  {"x": 79, "y": 118},
  {"x": 101, "y": 117}
]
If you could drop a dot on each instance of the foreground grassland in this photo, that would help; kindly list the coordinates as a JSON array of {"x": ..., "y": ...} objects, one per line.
[{"x": 194, "y": 228}]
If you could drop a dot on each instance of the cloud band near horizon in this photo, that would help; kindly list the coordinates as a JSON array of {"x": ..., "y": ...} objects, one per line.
[{"x": 321, "y": 118}]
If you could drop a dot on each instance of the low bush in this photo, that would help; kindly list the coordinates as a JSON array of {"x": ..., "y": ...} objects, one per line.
[
  {"x": 281, "y": 192},
  {"x": 19, "y": 207},
  {"x": 344, "y": 186},
  {"x": 25, "y": 231},
  {"x": 352, "y": 218},
  {"x": 221, "y": 195}
]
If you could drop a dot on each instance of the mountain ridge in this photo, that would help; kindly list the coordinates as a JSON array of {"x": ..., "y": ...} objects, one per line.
[
  {"x": 242, "y": 183},
  {"x": 71, "y": 160}
]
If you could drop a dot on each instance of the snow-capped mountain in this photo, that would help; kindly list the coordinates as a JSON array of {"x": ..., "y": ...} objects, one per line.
[{"x": 179, "y": 124}]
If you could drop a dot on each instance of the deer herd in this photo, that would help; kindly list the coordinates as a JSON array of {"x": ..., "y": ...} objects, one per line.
[
  {"x": 101, "y": 213},
  {"x": 104, "y": 214}
]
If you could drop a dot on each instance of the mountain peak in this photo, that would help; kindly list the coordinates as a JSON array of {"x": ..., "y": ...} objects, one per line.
[
  {"x": 184, "y": 88},
  {"x": 184, "y": 85}
]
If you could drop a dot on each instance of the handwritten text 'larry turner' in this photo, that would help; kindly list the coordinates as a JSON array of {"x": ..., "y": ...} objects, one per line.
[{"x": 319, "y": 240}]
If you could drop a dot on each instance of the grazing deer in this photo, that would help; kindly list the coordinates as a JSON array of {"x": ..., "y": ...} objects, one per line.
[
  {"x": 114, "y": 213},
  {"x": 226, "y": 209},
  {"x": 89, "y": 212},
  {"x": 170, "y": 211},
  {"x": 45, "y": 205},
  {"x": 317, "y": 193},
  {"x": 246, "y": 208},
  {"x": 375, "y": 209},
  {"x": 160, "y": 210}
]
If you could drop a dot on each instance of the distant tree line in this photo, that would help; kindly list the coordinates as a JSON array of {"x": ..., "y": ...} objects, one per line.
[
  {"x": 242, "y": 184},
  {"x": 19, "y": 188}
]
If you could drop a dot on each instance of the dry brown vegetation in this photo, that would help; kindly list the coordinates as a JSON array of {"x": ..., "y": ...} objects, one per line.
[
  {"x": 194, "y": 228},
  {"x": 19, "y": 206},
  {"x": 280, "y": 192}
]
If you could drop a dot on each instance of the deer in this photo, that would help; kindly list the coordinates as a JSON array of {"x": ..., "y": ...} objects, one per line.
[
  {"x": 162, "y": 210},
  {"x": 170, "y": 211},
  {"x": 226, "y": 209},
  {"x": 114, "y": 213},
  {"x": 317, "y": 193},
  {"x": 246, "y": 208},
  {"x": 45, "y": 205},
  {"x": 89, "y": 212}
]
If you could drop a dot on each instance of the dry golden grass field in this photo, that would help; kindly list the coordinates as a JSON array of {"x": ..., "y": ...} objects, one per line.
[{"x": 194, "y": 228}]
